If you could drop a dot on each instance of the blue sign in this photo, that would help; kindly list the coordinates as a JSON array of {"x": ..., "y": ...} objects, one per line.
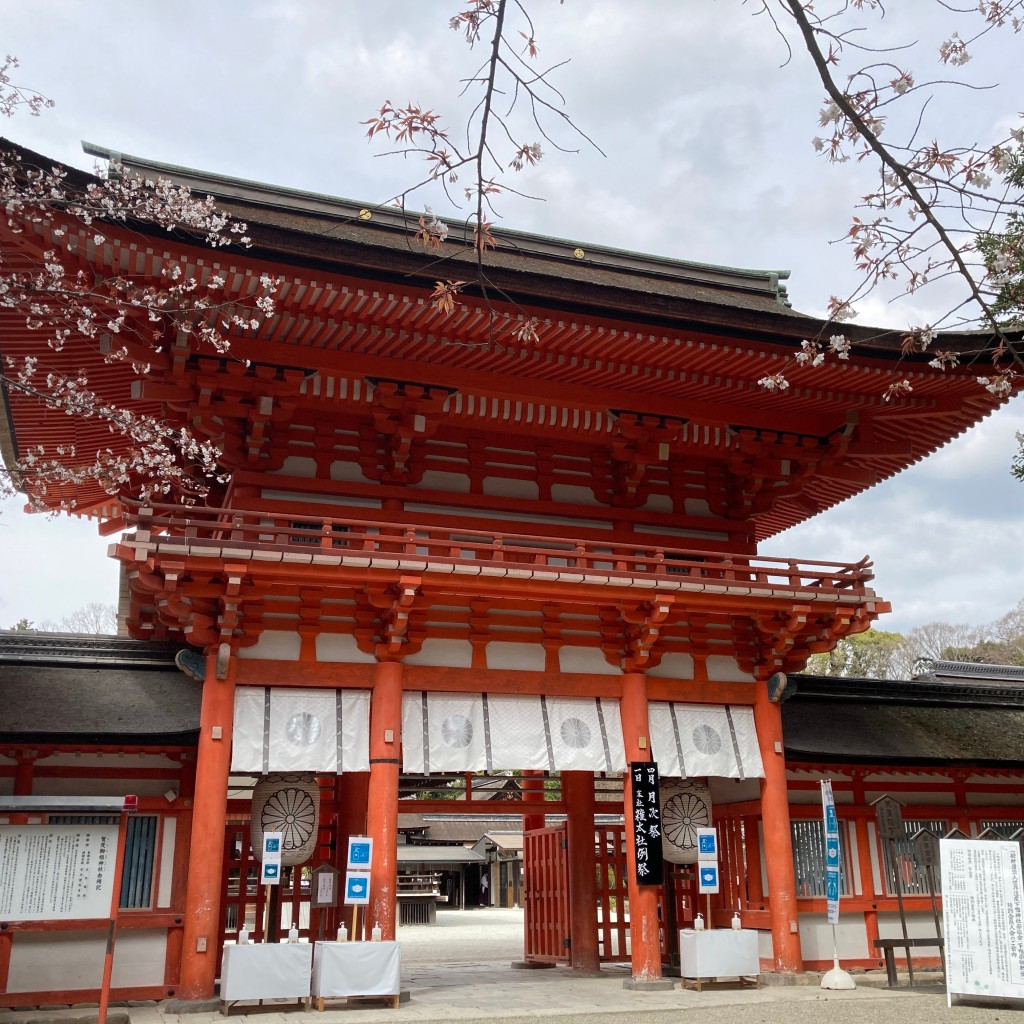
[
  {"x": 360, "y": 852},
  {"x": 831, "y": 827},
  {"x": 707, "y": 878},
  {"x": 357, "y": 888},
  {"x": 707, "y": 844},
  {"x": 832, "y": 886},
  {"x": 832, "y": 852},
  {"x": 831, "y": 821},
  {"x": 272, "y": 844},
  {"x": 271, "y": 870}
]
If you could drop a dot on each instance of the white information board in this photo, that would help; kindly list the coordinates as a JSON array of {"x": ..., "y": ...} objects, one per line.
[
  {"x": 56, "y": 872},
  {"x": 983, "y": 918}
]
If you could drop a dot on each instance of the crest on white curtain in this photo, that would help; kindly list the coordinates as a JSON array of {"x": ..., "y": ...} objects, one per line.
[
  {"x": 498, "y": 732},
  {"x": 685, "y": 807},
  {"x": 704, "y": 739},
  {"x": 443, "y": 732},
  {"x": 284, "y": 728}
]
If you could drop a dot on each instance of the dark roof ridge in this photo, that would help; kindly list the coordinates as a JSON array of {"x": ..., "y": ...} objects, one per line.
[
  {"x": 42, "y": 647},
  {"x": 930, "y": 692},
  {"x": 764, "y": 282}
]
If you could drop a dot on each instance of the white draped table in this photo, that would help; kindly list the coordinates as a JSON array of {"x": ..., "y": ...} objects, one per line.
[
  {"x": 265, "y": 970},
  {"x": 346, "y": 969},
  {"x": 718, "y": 953}
]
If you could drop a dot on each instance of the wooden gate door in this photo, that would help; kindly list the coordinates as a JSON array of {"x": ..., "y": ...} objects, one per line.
[{"x": 546, "y": 896}]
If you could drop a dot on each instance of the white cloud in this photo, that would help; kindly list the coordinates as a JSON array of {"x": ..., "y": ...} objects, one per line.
[{"x": 709, "y": 160}]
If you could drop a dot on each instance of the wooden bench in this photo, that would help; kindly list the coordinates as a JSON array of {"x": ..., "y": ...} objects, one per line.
[{"x": 889, "y": 946}]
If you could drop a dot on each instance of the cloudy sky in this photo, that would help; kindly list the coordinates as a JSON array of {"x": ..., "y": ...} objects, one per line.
[{"x": 707, "y": 134}]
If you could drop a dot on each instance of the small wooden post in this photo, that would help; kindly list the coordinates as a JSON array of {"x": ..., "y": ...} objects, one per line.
[{"x": 115, "y": 906}]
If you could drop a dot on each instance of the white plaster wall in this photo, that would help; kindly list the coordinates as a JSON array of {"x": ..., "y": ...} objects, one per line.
[
  {"x": 319, "y": 499},
  {"x": 503, "y": 487},
  {"x": 723, "y": 669},
  {"x": 1005, "y": 798},
  {"x": 525, "y": 657},
  {"x": 274, "y": 645},
  {"x": 444, "y": 653},
  {"x": 816, "y": 937},
  {"x": 507, "y": 516},
  {"x": 166, "y": 877},
  {"x": 82, "y": 785},
  {"x": 456, "y": 483},
  {"x": 341, "y": 647},
  {"x": 586, "y": 659},
  {"x": 673, "y": 666},
  {"x": 59, "y": 961},
  {"x": 733, "y": 791},
  {"x": 674, "y": 531},
  {"x": 296, "y": 465},
  {"x": 342, "y": 469},
  {"x": 573, "y": 494},
  {"x": 657, "y": 503},
  {"x": 920, "y": 925},
  {"x": 122, "y": 761}
]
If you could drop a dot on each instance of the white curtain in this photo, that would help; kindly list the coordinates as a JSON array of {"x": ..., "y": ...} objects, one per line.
[
  {"x": 290, "y": 729},
  {"x": 443, "y": 732},
  {"x": 508, "y": 732},
  {"x": 690, "y": 740}
]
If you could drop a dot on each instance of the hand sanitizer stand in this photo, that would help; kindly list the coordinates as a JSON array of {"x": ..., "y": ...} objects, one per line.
[{"x": 718, "y": 953}]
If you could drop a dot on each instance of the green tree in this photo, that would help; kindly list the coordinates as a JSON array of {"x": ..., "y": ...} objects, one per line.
[{"x": 874, "y": 654}]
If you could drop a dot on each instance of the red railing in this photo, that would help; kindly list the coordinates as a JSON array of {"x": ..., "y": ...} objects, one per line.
[{"x": 233, "y": 533}]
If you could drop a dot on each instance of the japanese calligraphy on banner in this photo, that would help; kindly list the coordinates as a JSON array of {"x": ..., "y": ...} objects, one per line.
[
  {"x": 646, "y": 823},
  {"x": 983, "y": 918},
  {"x": 828, "y": 805},
  {"x": 56, "y": 872}
]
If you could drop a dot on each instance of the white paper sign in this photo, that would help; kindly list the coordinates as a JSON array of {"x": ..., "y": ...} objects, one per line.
[
  {"x": 983, "y": 918},
  {"x": 56, "y": 872}
]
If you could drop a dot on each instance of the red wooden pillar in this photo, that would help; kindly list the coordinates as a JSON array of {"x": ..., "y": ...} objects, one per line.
[
  {"x": 778, "y": 839},
  {"x": 382, "y": 795},
  {"x": 645, "y": 944},
  {"x": 206, "y": 851},
  {"x": 24, "y": 774},
  {"x": 578, "y": 793},
  {"x": 755, "y": 886},
  {"x": 532, "y": 784},
  {"x": 350, "y": 797}
]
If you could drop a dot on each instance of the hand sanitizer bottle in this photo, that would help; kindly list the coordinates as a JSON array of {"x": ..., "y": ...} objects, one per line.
[
  {"x": 293, "y": 934},
  {"x": 737, "y": 924},
  {"x": 698, "y": 923},
  {"x": 342, "y": 933},
  {"x": 375, "y": 934},
  {"x": 243, "y": 936}
]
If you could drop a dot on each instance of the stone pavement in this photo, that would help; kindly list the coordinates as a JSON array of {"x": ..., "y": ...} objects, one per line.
[{"x": 460, "y": 970}]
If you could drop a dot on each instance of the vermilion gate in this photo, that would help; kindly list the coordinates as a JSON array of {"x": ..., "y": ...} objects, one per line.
[{"x": 546, "y": 897}]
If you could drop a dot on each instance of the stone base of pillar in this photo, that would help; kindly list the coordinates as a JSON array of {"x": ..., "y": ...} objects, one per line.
[
  {"x": 529, "y": 965},
  {"x": 654, "y": 985}
]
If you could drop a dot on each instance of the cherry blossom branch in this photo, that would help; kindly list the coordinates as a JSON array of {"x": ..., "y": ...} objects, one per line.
[{"x": 418, "y": 130}]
